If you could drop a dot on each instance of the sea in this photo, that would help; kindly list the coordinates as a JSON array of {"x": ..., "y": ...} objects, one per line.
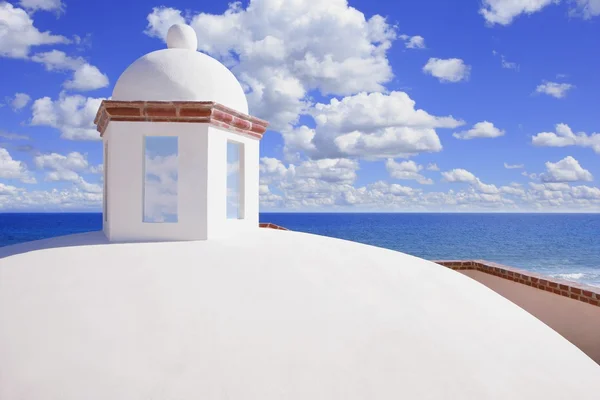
[{"x": 565, "y": 246}]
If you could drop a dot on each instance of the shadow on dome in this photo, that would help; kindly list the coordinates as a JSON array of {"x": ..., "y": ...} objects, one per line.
[{"x": 79, "y": 239}]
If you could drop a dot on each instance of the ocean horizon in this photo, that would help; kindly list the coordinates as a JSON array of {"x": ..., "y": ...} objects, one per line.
[{"x": 559, "y": 245}]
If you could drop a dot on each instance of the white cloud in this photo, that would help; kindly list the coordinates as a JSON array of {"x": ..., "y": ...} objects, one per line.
[
  {"x": 160, "y": 196},
  {"x": 308, "y": 184},
  {"x": 281, "y": 187},
  {"x": 459, "y": 175},
  {"x": 508, "y": 64},
  {"x": 20, "y": 101},
  {"x": 448, "y": 70},
  {"x": 557, "y": 90},
  {"x": 432, "y": 167},
  {"x": 529, "y": 175},
  {"x": 550, "y": 186},
  {"x": 483, "y": 129},
  {"x": 73, "y": 115},
  {"x": 413, "y": 42},
  {"x": 505, "y": 63},
  {"x": 161, "y": 19},
  {"x": 68, "y": 169},
  {"x": 503, "y": 12},
  {"x": 7, "y": 190},
  {"x": 44, "y": 5},
  {"x": 565, "y": 170},
  {"x": 565, "y": 136},
  {"x": 62, "y": 167},
  {"x": 71, "y": 199},
  {"x": 369, "y": 126},
  {"x": 462, "y": 175},
  {"x": 13, "y": 136},
  {"x": 338, "y": 170},
  {"x": 586, "y": 8},
  {"x": 13, "y": 169},
  {"x": 586, "y": 192},
  {"x": 85, "y": 76},
  {"x": 513, "y": 166},
  {"x": 327, "y": 46},
  {"x": 18, "y": 34},
  {"x": 511, "y": 190},
  {"x": 407, "y": 170}
]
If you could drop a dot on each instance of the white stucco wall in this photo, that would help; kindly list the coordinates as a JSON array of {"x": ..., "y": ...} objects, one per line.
[
  {"x": 202, "y": 174},
  {"x": 272, "y": 315},
  {"x": 105, "y": 153},
  {"x": 218, "y": 224}
]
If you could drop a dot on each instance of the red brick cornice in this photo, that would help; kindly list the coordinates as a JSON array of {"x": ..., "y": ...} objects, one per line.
[
  {"x": 179, "y": 111},
  {"x": 271, "y": 226}
]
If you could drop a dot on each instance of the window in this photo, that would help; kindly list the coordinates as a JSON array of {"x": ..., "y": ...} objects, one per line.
[
  {"x": 105, "y": 193},
  {"x": 160, "y": 178},
  {"x": 235, "y": 180}
]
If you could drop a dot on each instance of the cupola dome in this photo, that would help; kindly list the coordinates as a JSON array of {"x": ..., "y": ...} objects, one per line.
[{"x": 180, "y": 73}]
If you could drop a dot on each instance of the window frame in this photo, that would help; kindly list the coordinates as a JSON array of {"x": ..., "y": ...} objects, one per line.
[{"x": 241, "y": 209}]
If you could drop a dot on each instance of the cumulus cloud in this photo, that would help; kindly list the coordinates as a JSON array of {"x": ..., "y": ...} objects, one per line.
[
  {"x": 44, "y": 5},
  {"x": 551, "y": 186},
  {"x": 13, "y": 169},
  {"x": 565, "y": 170},
  {"x": 483, "y": 129},
  {"x": 58, "y": 200},
  {"x": 67, "y": 168},
  {"x": 407, "y": 170},
  {"x": 557, "y": 90},
  {"x": 7, "y": 190},
  {"x": 448, "y": 70},
  {"x": 18, "y": 34},
  {"x": 327, "y": 47},
  {"x": 503, "y": 12},
  {"x": 564, "y": 136},
  {"x": 62, "y": 167},
  {"x": 160, "y": 188},
  {"x": 369, "y": 126},
  {"x": 462, "y": 175},
  {"x": 72, "y": 115},
  {"x": 413, "y": 42},
  {"x": 432, "y": 167},
  {"x": 85, "y": 76},
  {"x": 19, "y": 101},
  {"x": 282, "y": 187}
]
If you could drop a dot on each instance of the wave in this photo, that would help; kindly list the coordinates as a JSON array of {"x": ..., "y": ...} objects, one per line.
[{"x": 592, "y": 278}]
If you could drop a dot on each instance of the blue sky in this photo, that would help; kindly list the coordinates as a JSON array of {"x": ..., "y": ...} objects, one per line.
[{"x": 374, "y": 105}]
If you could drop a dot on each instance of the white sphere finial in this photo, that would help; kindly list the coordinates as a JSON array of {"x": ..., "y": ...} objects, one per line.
[{"x": 182, "y": 36}]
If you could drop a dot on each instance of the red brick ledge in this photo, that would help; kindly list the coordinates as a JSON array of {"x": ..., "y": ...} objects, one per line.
[
  {"x": 584, "y": 293},
  {"x": 272, "y": 226},
  {"x": 179, "y": 111}
]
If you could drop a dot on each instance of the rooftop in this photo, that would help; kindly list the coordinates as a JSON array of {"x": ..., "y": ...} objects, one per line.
[{"x": 310, "y": 317}]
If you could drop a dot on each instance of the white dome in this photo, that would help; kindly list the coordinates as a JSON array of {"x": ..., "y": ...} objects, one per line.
[
  {"x": 180, "y": 74},
  {"x": 272, "y": 315}
]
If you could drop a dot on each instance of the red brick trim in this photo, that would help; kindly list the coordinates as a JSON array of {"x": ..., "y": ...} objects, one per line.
[
  {"x": 179, "y": 111},
  {"x": 272, "y": 226},
  {"x": 584, "y": 293}
]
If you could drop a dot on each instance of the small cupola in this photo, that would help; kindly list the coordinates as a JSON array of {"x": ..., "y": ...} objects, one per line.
[{"x": 181, "y": 153}]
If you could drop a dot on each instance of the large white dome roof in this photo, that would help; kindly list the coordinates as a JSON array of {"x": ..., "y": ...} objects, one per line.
[
  {"x": 272, "y": 315},
  {"x": 180, "y": 73}
]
